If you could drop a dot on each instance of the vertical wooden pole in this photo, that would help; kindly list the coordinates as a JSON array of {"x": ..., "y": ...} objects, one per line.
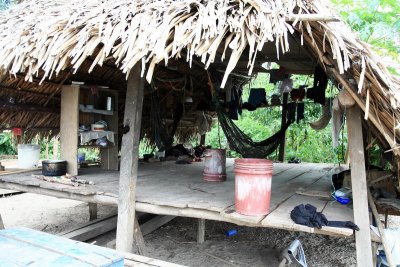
[
  {"x": 129, "y": 160},
  {"x": 386, "y": 247},
  {"x": 203, "y": 139},
  {"x": 201, "y": 230},
  {"x": 55, "y": 148},
  {"x": 1, "y": 223},
  {"x": 92, "y": 211},
  {"x": 109, "y": 155},
  {"x": 46, "y": 155},
  {"x": 139, "y": 246},
  {"x": 281, "y": 156},
  {"x": 359, "y": 187},
  {"x": 69, "y": 126}
]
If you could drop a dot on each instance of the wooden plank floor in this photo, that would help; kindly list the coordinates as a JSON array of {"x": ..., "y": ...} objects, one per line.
[{"x": 171, "y": 189}]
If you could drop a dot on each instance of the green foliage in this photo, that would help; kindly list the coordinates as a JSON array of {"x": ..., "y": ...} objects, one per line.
[
  {"x": 301, "y": 141},
  {"x": 6, "y": 146},
  {"x": 378, "y": 23},
  {"x": 4, "y": 4}
]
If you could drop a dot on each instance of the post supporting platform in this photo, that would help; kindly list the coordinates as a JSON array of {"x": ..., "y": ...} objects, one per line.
[
  {"x": 203, "y": 140},
  {"x": 92, "y": 211},
  {"x": 1, "y": 223},
  {"x": 359, "y": 187},
  {"x": 139, "y": 245},
  {"x": 69, "y": 126},
  {"x": 126, "y": 235},
  {"x": 201, "y": 230},
  {"x": 282, "y": 144}
]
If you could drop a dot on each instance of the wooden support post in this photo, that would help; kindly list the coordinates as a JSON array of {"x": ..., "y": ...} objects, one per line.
[
  {"x": 109, "y": 155},
  {"x": 201, "y": 230},
  {"x": 1, "y": 223},
  {"x": 359, "y": 187},
  {"x": 55, "y": 148},
  {"x": 129, "y": 161},
  {"x": 149, "y": 226},
  {"x": 155, "y": 223},
  {"x": 69, "y": 126},
  {"x": 386, "y": 246},
  {"x": 139, "y": 247},
  {"x": 282, "y": 144},
  {"x": 202, "y": 139},
  {"x": 46, "y": 155},
  {"x": 92, "y": 211}
]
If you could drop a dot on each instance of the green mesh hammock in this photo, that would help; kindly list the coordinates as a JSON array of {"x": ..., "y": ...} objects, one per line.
[{"x": 242, "y": 143}]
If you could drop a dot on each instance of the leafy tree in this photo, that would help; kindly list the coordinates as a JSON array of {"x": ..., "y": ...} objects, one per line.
[
  {"x": 6, "y": 147},
  {"x": 377, "y": 23},
  {"x": 4, "y": 4}
]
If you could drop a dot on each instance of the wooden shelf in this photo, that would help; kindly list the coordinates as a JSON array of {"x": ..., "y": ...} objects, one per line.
[
  {"x": 98, "y": 111},
  {"x": 73, "y": 96},
  {"x": 94, "y": 146}
]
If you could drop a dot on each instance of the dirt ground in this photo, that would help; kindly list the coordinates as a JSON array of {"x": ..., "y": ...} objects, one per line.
[{"x": 176, "y": 241}]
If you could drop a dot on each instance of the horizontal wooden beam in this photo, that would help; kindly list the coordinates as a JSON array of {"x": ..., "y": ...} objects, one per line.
[
  {"x": 26, "y": 92},
  {"x": 140, "y": 206},
  {"x": 4, "y": 105},
  {"x": 311, "y": 17},
  {"x": 30, "y": 128},
  {"x": 92, "y": 229},
  {"x": 36, "y": 80}
]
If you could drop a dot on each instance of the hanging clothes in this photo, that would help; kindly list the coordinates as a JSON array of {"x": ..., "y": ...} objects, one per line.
[
  {"x": 257, "y": 96},
  {"x": 323, "y": 121},
  {"x": 300, "y": 112},
  {"x": 286, "y": 86},
  {"x": 203, "y": 122},
  {"x": 337, "y": 121},
  {"x": 317, "y": 92},
  {"x": 291, "y": 111},
  {"x": 276, "y": 75},
  {"x": 235, "y": 103}
]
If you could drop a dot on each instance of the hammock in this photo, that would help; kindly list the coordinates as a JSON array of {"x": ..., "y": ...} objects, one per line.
[
  {"x": 242, "y": 143},
  {"x": 162, "y": 138}
]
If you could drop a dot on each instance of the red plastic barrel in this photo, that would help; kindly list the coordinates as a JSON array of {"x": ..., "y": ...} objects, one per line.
[
  {"x": 214, "y": 165},
  {"x": 253, "y": 186}
]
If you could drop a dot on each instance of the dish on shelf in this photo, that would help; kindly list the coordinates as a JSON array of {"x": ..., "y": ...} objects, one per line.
[
  {"x": 98, "y": 127},
  {"x": 104, "y": 123}
]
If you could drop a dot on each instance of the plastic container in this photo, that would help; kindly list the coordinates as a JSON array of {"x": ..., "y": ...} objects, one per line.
[
  {"x": 214, "y": 165},
  {"x": 81, "y": 157},
  {"x": 253, "y": 186},
  {"x": 230, "y": 232},
  {"x": 28, "y": 156},
  {"x": 109, "y": 103}
]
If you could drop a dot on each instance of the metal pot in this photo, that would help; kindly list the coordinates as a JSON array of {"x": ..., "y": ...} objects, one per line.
[{"x": 54, "y": 167}]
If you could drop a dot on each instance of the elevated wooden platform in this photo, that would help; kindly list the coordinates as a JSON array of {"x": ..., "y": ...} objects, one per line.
[{"x": 171, "y": 189}]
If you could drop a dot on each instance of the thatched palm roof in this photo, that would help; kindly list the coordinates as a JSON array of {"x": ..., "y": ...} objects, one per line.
[{"x": 44, "y": 39}]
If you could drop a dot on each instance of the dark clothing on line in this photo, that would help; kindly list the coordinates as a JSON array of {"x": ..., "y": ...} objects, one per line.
[
  {"x": 317, "y": 92},
  {"x": 300, "y": 112},
  {"x": 257, "y": 96}
]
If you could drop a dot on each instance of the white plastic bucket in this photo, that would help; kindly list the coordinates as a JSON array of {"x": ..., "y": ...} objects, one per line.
[{"x": 28, "y": 156}]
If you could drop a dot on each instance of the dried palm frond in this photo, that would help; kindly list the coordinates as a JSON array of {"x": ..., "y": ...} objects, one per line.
[{"x": 43, "y": 38}]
